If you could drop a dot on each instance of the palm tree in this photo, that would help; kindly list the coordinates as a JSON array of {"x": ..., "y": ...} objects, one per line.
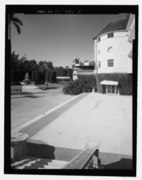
[
  {"x": 16, "y": 22},
  {"x": 44, "y": 67},
  {"x": 76, "y": 61}
]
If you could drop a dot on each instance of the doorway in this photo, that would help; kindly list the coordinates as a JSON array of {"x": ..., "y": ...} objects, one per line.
[{"x": 112, "y": 89}]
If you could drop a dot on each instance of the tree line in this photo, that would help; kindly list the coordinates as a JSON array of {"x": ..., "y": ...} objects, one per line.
[{"x": 42, "y": 71}]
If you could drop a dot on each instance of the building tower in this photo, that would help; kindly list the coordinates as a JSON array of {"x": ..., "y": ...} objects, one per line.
[{"x": 112, "y": 58}]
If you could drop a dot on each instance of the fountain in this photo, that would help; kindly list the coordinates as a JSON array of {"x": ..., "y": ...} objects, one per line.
[{"x": 26, "y": 80}]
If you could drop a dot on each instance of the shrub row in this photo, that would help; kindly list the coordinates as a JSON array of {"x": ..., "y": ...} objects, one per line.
[
  {"x": 37, "y": 76},
  {"x": 17, "y": 76},
  {"x": 77, "y": 87},
  {"x": 124, "y": 80}
]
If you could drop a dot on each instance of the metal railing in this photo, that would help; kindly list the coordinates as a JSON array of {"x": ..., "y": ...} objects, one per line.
[{"x": 87, "y": 159}]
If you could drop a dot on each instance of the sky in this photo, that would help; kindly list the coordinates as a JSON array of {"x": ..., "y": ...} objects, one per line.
[{"x": 58, "y": 38}]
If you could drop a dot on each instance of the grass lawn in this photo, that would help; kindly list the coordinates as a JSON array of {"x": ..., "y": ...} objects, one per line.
[{"x": 16, "y": 88}]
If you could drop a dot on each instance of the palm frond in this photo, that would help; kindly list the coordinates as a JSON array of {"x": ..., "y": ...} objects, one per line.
[
  {"x": 17, "y": 27},
  {"x": 16, "y": 20}
]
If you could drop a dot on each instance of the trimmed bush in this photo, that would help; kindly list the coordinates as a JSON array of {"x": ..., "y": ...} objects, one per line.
[
  {"x": 16, "y": 88},
  {"x": 124, "y": 80},
  {"x": 90, "y": 79},
  {"x": 77, "y": 87}
]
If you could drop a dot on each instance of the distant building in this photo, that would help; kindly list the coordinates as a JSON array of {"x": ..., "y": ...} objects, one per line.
[
  {"x": 83, "y": 68},
  {"x": 113, "y": 56}
]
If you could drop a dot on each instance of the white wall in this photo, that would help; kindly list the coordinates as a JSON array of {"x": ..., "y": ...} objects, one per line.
[
  {"x": 131, "y": 27},
  {"x": 120, "y": 50}
]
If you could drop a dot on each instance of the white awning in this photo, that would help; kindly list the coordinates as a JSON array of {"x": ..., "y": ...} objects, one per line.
[{"x": 105, "y": 82}]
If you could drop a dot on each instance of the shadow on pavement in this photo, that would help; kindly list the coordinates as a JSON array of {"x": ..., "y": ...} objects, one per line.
[
  {"x": 26, "y": 95},
  {"x": 40, "y": 149},
  {"x": 123, "y": 163}
]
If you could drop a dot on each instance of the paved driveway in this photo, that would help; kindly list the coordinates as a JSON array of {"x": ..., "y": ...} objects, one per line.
[
  {"x": 28, "y": 105},
  {"x": 104, "y": 118}
]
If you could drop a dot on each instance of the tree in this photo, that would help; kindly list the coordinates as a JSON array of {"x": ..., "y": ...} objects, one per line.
[
  {"x": 16, "y": 22},
  {"x": 76, "y": 61},
  {"x": 46, "y": 68},
  {"x": 14, "y": 60}
]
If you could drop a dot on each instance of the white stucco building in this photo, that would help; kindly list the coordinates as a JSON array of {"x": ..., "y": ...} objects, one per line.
[
  {"x": 112, "y": 53},
  {"x": 131, "y": 33},
  {"x": 111, "y": 49}
]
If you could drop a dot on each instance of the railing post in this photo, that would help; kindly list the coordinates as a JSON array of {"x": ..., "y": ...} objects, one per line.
[
  {"x": 87, "y": 159},
  {"x": 95, "y": 158}
]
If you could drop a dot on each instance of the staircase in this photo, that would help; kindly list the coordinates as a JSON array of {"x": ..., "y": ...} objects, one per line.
[
  {"x": 29, "y": 154},
  {"x": 38, "y": 163},
  {"x": 44, "y": 156},
  {"x": 38, "y": 155}
]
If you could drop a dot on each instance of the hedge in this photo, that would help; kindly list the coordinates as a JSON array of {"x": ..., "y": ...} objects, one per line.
[
  {"x": 17, "y": 76},
  {"x": 124, "y": 82},
  {"x": 37, "y": 76},
  {"x": 77, "y": 87},
  {"x": 90, "y": 79}
]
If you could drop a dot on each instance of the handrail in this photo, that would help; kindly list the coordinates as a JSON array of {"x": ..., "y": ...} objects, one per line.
[{"x": 87, "y": 159}]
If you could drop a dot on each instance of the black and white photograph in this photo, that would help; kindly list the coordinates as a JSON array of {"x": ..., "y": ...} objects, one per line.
[{"x": 71, "y": 89}]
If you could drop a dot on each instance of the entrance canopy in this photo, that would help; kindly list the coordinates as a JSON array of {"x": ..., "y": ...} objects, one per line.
[{"x": 105, "y": 82}]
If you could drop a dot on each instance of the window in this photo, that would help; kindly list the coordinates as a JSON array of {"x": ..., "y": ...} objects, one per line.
[
  {"x": 99, "y": 64},
  {"x": 110, "y": 49},
  {"x": 110, "y": 35},
  {"x": 110, "y": 63},
  {"x": 99, "y": 39}
]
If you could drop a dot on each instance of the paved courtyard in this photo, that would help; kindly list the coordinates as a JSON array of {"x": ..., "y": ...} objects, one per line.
[{"x": 106, "y": 119}]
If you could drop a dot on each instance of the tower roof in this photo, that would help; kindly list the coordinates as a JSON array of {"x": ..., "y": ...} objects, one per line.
[{"x": 114, "y": 26}]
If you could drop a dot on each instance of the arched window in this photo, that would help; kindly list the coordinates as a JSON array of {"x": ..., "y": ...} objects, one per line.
[
  {"x": 110, "y": 35},
  {"x": 110, "y": 49}
]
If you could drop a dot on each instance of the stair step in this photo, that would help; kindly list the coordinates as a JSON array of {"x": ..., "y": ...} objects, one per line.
[
  {"x": 55, "y": 164},
  {"x": 19, "y": 162},
  {"x": 36, "y": 163}
]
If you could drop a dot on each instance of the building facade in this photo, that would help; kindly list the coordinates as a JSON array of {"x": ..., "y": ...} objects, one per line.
[
  {"x": 131, "y": 33},
  {"x": 83, "y": 69},
  {"x": 113, "y": 56}
]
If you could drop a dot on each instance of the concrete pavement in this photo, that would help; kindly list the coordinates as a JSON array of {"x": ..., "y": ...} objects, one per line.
[
  {"x": 28, "y": 105},
  {"x": 103, "y": 118}
]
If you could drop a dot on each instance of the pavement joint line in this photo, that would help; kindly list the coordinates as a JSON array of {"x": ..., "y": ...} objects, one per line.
[{"x": 43, "y": 114}]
